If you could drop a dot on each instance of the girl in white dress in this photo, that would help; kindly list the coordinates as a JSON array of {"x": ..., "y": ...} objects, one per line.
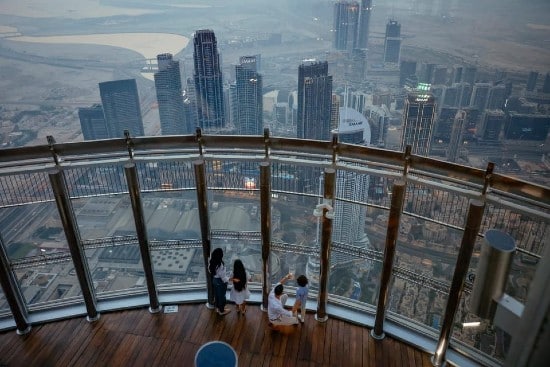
[{"x": 239, "y": 293}]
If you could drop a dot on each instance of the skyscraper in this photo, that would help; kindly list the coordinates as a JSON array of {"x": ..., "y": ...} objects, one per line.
[
  {"x": 314, "y": 100},
  {"x": 532, "y": 80},
  {"x": 364, "y": 23},
  {"x": 349, "y": 218},
  {"x": 248, "y": 98},
  {"x": 407, "y": 68},
  {"x": 392, "y": 42},
  {"x": 480, "y": 96},
  {"x": 492, "y": 124},
  {"x": 121, "y": 107},
  {"x": 457, "y": 136},
  {"x": 346, "y": 21},
  {"x": 208, "y": 81},
  {"x": 170, "y": 96},
  {"x": 418, "y": 121},
  {"x": 92, "y": 122}
]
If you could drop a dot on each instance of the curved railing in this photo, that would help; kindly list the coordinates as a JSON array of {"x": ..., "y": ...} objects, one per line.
[{"x": 99, "y": 225}]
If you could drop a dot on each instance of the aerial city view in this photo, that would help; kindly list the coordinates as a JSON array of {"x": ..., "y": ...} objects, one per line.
[{"x": 463, "y": 81}]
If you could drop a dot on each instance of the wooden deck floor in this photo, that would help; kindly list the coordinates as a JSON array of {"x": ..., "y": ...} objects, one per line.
[{"x": 138, "y": 338}]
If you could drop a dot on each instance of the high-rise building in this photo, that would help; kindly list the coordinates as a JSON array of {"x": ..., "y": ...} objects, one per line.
[
  {"x": 379, "y": 121},
  {"x": 364, "y": 24},
  {"x": 439, "y": 75},
  {"x": 392, "y": 42},
  {"x": 407, "y": 68},
  {"x": 418, "y": 121},
  {"x": 208, "y": 81},
  {"x": 92, "y": 122},
  {"x": 314, "y": 100},
  {"x": 121, "y": 107},
  {"x": 445, "y": 120},
  {"x": 521, "y": 126},
  {"x": 497, "y": 97},
  {"x": 464, "y": 91},
  {"x": 546, "y": 84},
  {"x": 346, "y": 20},
  {"x": 480, "y": 96},
  {"x": 249, "y": 99},
  {"x": 469, "y": 75},
  {"x": 349, "y": 219},
  {"x": 170, "y": 97},
  {"x": 457, "y": 74},
  {"x": 492, "y": 123},
  {"x": 457, "y": 135},
  {"x": 449, "y": 97},
  {"x": 532, "y": 81}
]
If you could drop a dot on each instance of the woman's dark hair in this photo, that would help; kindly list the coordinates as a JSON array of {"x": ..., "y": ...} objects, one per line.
[
  {"x": 302, "y": 281},
  {"x": 239, "y": 273},
  {"x": 215, "y": 260}
]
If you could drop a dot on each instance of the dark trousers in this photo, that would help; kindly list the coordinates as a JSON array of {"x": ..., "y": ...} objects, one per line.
[{"x": 220, "y": 287}]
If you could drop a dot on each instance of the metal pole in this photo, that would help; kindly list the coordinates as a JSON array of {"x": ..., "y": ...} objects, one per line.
[
  {"x": 265, "y": 213},
  {"x": 397, "y": 199},
  {"x": 66, "y": 214},
  {"x": 12, "y": 293},
  {"x": 326, "y": 241},
  {"x": 141, "y": 230},
  {"x": 319, "y": 202},
  {"x": 475, "y": 216},
  {"x": 202, "y": 203}
]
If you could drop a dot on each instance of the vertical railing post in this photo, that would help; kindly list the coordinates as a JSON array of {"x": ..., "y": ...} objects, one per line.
[
  {"x": 396, "y": 208},
  {"x": 66, "y": 214},
  {"x": 265, "y": 213},
  {"x": 141, "y": 230},
  {"x": 12, "y": 293},
  {"x": 326, "y": 241},
  {"x": 471, "y": 231},
  {"x": 202, "y": 203}
]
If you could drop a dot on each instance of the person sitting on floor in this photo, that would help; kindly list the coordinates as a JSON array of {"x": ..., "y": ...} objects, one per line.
[{"x": 278, "y": 315}]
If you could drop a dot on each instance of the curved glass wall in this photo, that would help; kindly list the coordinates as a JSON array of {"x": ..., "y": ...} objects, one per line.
[{"x": 168, "y": 192}]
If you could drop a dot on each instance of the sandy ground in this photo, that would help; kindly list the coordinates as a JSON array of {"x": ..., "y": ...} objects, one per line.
[{"x": 147, "y": 44}]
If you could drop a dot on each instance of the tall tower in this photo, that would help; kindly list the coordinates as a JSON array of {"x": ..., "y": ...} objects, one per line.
[
  {"x": 314, "y": 100},
  {"x": 349, "y": 219},
  {"x": 121, "y": 107},
  {"x": 532, "y": 80},
  {"x": 392, "y": 42},
  {"x": 480, "y": 96},
  {"x": 456, "y": 136},
  {"x": 92, "y": 122},
  {"x": 170, "y": 97},
  {"x": 248, "y": 98},
  {"x": 364, "y": 22},
  {"x": 418, "y": 120},
  {"x": 208, "y": 81},
  {"x": 346, "y": 20}
]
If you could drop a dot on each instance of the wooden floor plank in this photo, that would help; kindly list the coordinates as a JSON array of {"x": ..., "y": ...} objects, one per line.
[{"x": 139, "y": 338}]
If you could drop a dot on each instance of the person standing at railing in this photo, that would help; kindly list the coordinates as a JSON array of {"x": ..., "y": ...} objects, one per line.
[
  {"x": 239, "y": 293},
  {"x": 301, "y": 297},
  {"x": 216, "y": 267},
  {"x": 278, "y": 315}
]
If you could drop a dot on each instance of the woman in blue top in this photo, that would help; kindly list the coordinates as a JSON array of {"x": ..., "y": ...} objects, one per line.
[{"x": 216, "y": 267}]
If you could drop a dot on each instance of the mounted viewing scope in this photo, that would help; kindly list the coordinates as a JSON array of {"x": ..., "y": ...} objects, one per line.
[{"x": 492, "y": 273}]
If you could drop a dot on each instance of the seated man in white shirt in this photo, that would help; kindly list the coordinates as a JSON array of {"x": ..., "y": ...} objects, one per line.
[{"x": 278, "y": 315}]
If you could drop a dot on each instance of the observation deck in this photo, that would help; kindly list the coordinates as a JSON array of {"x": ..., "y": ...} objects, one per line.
[{"x": 93, "y": 227}]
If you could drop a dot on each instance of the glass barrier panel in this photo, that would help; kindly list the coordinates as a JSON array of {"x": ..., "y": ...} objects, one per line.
[
  {"x": 4, "y": 306},
  {"x": 32, "y": 230},
  {"x": 234, "y": 210},
  {"x": 116, "y": 269},
  {"x": 48, "y": 283}
]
